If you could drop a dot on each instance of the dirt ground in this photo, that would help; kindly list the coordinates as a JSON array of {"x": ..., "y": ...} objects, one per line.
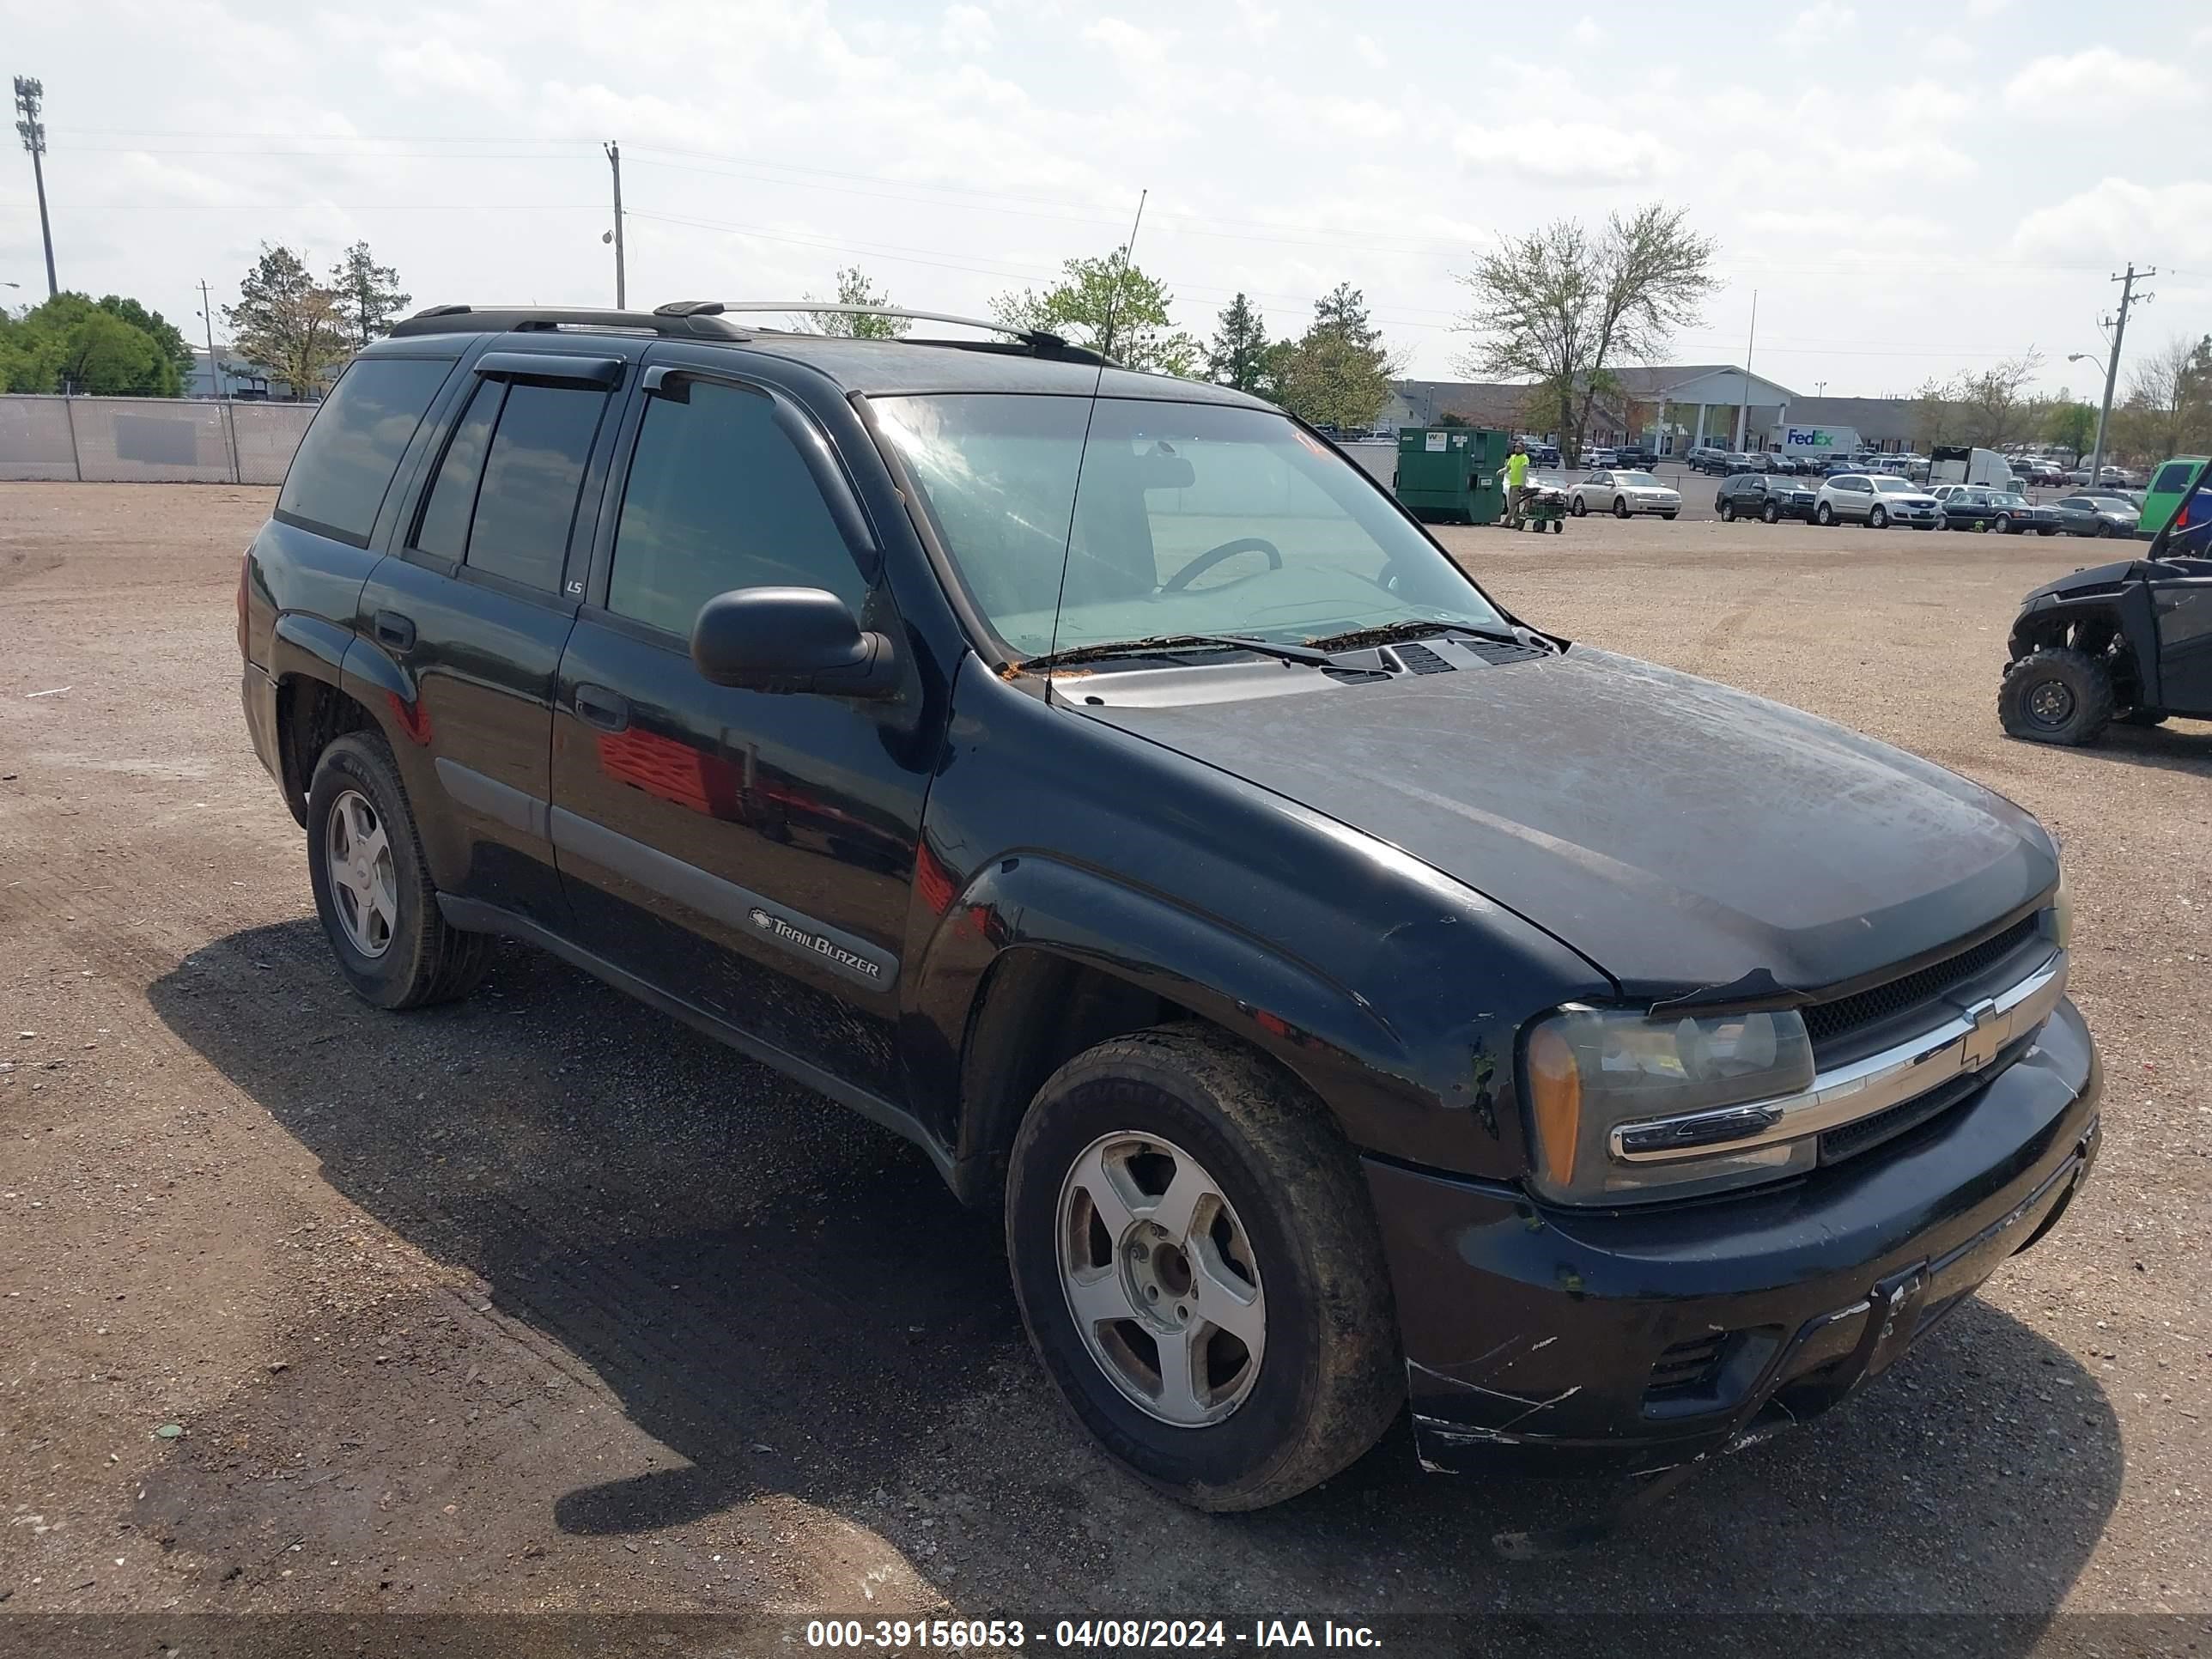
[{"x": 543, "y": 1304}]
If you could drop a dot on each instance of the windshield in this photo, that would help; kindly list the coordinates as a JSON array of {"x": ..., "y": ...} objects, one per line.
[
  {"x": 1637, "y": 480},
  {"x": 1190, "y": 519},
  {"x": 1894, "y": 487}
]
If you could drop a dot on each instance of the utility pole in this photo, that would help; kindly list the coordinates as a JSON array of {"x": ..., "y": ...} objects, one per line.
[
  {"x": 1743, "y": 409},
  {"x": 207, "y": 316},
  {"x": 30, "y": 96},
  {"x": 622, "y": 284},
  {"x": 2128, "y": 296}
]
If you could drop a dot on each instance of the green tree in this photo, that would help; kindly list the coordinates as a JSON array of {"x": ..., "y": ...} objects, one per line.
[
  {"x": 164, "y": 333},
  {"x": 1560, "y": 307},
  {"x": 288, "y": 322},
  {"x": 1343, "y": 310},
  {"x": 1108, "y": 305},
  {"x": 369, "y": 298},
  {"x": 73, "y": 344},
  {"x": 853, "y": 289},
  {"x": 2070, "y": 424},
  {"x": 1328, "y": 379},
  {"x": 1238, "y": 355}
]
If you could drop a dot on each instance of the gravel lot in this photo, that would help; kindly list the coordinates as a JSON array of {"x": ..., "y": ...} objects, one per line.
[{"x": 541, "y": 1302}]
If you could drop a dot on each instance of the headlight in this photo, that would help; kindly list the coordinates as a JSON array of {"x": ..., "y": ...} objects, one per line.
[{"x": 1598, "y": 1081}]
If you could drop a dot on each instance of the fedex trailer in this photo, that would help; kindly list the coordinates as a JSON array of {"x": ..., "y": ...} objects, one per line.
[{"x": 1821, "y": 443}]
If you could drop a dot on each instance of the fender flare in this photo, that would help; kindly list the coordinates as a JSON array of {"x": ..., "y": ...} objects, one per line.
[{"x": 1041, "y": 905}]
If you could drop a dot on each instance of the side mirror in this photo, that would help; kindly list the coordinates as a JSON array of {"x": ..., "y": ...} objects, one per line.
[{"x": 790, "y": 639}]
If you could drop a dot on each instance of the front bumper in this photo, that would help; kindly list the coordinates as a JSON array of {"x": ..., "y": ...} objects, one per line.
[{"x": 1636, "y": 1339}]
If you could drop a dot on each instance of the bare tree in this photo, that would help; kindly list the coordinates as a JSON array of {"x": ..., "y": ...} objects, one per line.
[
  {"x": 1994, "y": 407},
  {"x": 1560, "y": 307},
  {"x": 2170, "y": 398}
]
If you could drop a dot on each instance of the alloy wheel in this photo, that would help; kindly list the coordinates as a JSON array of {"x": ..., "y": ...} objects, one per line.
[
  {"x": 1161, "y": 1279},
  {"x": 364, "y": 890}
]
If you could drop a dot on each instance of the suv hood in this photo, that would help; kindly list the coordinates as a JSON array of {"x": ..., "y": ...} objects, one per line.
[{"x": 1679, "y": 834}]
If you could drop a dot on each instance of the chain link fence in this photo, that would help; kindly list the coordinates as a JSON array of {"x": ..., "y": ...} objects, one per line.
[{"x": 148, "y": 440}]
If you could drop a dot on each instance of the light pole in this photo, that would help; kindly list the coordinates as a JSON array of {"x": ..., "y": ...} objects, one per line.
[
  {"x": 215, "y": 365},
  {"x": 30, "y": 97},
  {"x": 1819, "y": 388}
]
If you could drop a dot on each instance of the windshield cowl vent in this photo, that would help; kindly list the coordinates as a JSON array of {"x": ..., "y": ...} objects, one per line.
[{"x": 1419, "y": 659}]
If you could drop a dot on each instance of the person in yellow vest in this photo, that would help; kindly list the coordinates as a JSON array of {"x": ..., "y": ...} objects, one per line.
[{"x": 1516, "y": 481}]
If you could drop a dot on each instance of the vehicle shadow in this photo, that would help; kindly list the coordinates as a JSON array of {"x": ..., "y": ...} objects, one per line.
[
  {"x": 2178, "y": 746},
  {"x": 787, "y": 1299}
]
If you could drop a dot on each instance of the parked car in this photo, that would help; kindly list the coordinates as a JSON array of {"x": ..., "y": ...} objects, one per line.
[
  {"x": 1876, "y": 500},
  {"x": 2094, "y": 516},
  {"x": 1971, "y": 506},
  {"x": 1623, "y": 495},
  {"x": 1142, "y": 857},
  {"x": 1545, "y": 455},
  {"x": 1635, "y": 455},
  {"x": 2165, "y": 492},
  {"x": 1756, "y": 495},
  {"x": 1706, "y": 457}
]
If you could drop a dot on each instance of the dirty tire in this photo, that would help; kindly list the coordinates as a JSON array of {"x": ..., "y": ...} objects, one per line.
[
  {"x": 1330, "y": 1379},
  {"x": 2057, "y": 695},
  {"x": 427, "y": 961}
]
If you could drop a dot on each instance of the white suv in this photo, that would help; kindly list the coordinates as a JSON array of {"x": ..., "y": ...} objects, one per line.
[{"x": 1877, "y": 500}]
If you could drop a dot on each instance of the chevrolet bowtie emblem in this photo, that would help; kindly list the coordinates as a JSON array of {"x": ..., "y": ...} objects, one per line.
[{"x": 1982, "y": 1043}]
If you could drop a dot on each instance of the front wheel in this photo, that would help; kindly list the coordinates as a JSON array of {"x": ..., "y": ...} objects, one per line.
[
  {"x": 1824, "y": 515},
  {"x": 1770, "y": 513},
  {"x": 1620, "y": 507},
  {"x": 1199, "y": 1269},
  {"x": 1670, "y": 517},
  {"x": 2103, "y": 530},
  {"x": 2055, "y": 696},
  {"x": 1578, "y": 507},
  {"x": 372, "y": 884},
  {"x": 1878, "y": 518}
]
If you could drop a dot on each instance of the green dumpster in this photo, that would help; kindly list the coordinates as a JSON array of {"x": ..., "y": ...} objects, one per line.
[{"x": 1453, "y": 473}]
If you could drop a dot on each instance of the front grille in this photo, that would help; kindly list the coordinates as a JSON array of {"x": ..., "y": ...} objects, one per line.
[
  {"x": 1826, "y": 1021},
  {"x": 1686, "y": 1364},
  {"x": 1849, "y": 1140}
]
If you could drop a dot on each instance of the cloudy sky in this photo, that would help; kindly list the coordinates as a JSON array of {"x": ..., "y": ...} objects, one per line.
[{"x": 1908, "y": 189}]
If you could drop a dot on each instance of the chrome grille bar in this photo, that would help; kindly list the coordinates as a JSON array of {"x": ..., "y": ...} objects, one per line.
[{"x": 1967, "y": 1042}]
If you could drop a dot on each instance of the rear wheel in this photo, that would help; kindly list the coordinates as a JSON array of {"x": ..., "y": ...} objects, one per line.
[
  {"x": 1199, "y": 1267},
  {"x": 372, "y": 884},
  {"x": 2055, "y": 696},
  {"x": 1728, "y": 512}
]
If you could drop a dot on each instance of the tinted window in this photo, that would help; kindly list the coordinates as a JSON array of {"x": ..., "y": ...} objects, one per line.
[
  {"x": 345, "y": 463},
  {"x": 445, "y": 527},
  {"x": 528, "y": 497},
  {"x": 2173, "y": 477},
  {"x": 718, "y": 498}
]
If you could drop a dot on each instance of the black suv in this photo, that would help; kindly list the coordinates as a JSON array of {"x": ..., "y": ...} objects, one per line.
[
  {"x": 1352, "y": 993},
  {"x": 1763, "y": 495}
]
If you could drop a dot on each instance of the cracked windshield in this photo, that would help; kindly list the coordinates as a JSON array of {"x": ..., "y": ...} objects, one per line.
[{"x": 1187, "y": 519}]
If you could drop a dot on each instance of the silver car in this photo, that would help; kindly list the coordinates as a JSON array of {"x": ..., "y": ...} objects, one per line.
[
  {"x": 1624, "y": 494},
  {"x": 1877, "y": 500}
]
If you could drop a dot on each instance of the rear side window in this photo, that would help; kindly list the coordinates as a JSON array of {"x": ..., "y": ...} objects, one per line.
[
  {"x": 718, "y": 499},
  {"x": 525, "y": 500},
  {"x": 344, "y": 464},
  {"x": 2173, "y": 477},
  {"x": 445, "y": 527}
]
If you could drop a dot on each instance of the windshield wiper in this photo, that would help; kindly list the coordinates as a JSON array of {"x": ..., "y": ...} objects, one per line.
[
  {"x": 1388, "y": 633},
  {"x": 1160, "y": 643}
]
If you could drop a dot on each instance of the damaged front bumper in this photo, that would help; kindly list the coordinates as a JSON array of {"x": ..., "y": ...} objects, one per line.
[{"x": 1637, "y": 1339}]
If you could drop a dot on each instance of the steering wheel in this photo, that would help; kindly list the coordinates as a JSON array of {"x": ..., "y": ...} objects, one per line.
[{"x": 1213, "y": 556}]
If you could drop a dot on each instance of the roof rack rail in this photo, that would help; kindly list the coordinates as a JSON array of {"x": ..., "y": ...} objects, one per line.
[
  {"x": 507, "y": 320},
  {"x": 1038, "y": 340}
]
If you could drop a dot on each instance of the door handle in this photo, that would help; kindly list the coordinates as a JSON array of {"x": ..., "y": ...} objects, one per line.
[
  {"x": 395, "y": 630},
  {"x": 596, "y": 706}
]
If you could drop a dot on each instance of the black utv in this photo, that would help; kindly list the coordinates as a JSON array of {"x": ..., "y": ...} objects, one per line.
[{"x": 2130, "y": 640}]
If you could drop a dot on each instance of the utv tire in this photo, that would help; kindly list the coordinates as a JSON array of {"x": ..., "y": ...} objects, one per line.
[
  {"x": 2057, "y": 695},
  {"x": 372, "y": 887},
  {"x": 1266, "y": 1219}
]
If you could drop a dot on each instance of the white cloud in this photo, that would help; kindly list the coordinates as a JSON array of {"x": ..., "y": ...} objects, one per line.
[
  {"x": 1980, "y": 9},
  {"x": 966, "y": 28},
  {"x": 1375, "y": 57},
  {"x": 1258, "y": 21},
  {"x": 2095, "y": 83},
  {"x": 1587, "y": 33},
  {"x": 1566, "y": 152},
  {"x": 1835, "y": 225},
  {"x": 2117, "y": 219},
  {"x": 1134, "y": 49}
]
